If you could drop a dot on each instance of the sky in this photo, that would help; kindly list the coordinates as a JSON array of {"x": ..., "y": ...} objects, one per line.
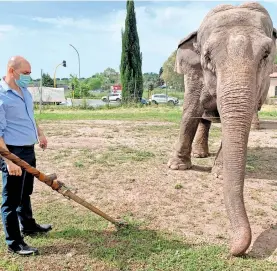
[{"x": 41, "y": 31}]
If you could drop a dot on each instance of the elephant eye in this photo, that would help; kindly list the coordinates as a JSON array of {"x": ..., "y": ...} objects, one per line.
[
  {"x": 266, "y": 54},
  {"x": 207, "y": 57}
]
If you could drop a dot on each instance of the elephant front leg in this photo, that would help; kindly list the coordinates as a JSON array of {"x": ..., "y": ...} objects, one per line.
[
  {"x": 217, "y": 168},
  {"x": 200, "y": 148},
  {"x": 181, "y": 158}
]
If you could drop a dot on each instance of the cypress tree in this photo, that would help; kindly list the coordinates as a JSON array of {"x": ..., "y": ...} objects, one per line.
[{"x": 131, "y": 58}]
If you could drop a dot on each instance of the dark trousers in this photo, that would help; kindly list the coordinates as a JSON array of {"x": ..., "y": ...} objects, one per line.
[{"x": 16, "y": 202}]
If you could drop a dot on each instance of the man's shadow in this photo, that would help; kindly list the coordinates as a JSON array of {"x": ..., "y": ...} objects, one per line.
[{"x": 265, "y": 244}]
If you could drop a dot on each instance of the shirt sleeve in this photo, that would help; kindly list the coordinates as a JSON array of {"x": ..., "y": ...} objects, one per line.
[{"x": 3, "y": 122}]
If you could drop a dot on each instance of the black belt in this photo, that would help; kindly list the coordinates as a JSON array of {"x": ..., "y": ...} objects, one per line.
[{"x": 24, "y": 146}]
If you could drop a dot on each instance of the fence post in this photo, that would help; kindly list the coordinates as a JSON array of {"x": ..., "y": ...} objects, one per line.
[{"x": 40, "y": 98}]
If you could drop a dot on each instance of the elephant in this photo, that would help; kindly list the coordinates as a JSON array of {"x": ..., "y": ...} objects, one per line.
[{"x": 226, "y": 65}]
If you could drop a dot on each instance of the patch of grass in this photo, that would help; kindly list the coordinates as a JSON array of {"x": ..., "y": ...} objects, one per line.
[
  {"x": 78, "y": 164},
  {"x": 120, "y": 154},
  {"x": 77, "y": 231},
  {"x": 9, "y": 266},
  {"x": 252, "y": 163},
  {"x": 62, "y": 154},
  {"x": 163, "y": 113},
  {"x": 215, "y": 132},
  {"x": 137, "y": 113},
  {"x": 268, "y": 112},
  {"x": 178, "y": 186},
  {"x": 259, "y": 212}
]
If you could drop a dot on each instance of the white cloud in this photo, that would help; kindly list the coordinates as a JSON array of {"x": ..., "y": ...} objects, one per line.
[
  {"x": 6, "y": 27},
  {"x": 98, "y": 39},
  {"x": 160, "y": 28}
]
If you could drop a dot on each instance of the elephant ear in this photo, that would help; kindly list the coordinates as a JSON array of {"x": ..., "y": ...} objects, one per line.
[
  {"x": 274, "y": 33},
  {"x": 187, "y": 56}
]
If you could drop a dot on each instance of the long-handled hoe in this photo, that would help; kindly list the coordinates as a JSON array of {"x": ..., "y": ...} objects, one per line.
[{"x": 51, "y": 180}]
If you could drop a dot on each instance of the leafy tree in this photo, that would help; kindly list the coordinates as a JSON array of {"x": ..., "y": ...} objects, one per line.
[
  {"x": 74, "y": 84},
  {"x": 47, "y": 81},
  {"x": 131, "y": 58},
  {"x": 95, "y": 83},
  {"x": 150, "y": 78},
  {"x": 276, "y": 59},
  {"x": 161, "y": 81},
  {"x": 172, "y": 78}
]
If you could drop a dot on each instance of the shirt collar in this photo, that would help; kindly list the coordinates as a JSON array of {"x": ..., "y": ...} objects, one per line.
[{"x": 5, "y": 86}]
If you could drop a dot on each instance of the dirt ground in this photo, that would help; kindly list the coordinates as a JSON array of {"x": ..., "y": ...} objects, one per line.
[{"x": 120, "y": 166}]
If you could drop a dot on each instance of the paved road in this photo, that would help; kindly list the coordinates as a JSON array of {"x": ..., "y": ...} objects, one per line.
[
  {"x": 90, "y": 102},
  {"x": 96, "y": 103}
]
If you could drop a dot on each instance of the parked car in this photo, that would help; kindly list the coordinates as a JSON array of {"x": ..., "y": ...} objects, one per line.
[
  {"x": 163, "y": 99},
  {"x": 144, "y": 101},
  {"x": 112, "y": 97}
]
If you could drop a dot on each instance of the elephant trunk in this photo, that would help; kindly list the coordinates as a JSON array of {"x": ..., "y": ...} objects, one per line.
[{"x": 236, "y": 102}]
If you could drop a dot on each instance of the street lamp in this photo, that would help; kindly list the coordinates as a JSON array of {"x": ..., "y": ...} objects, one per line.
[
  {"x": 64, "y": 64},
  {"x": 78, "y": 57}
]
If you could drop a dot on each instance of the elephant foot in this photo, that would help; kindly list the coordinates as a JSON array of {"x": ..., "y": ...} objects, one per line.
[
  {"x": 240, "y": 242},
  {"x": 177, "y": 163},
  {"x": 199, "y": 151},
  {"x": 217, "y": 171}
]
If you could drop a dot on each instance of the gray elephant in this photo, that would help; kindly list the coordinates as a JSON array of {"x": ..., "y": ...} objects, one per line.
[{"x": 226, "y": 66}]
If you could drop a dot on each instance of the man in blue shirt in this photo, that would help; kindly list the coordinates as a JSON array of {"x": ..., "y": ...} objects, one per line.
[{"x": 18, "y": 133}]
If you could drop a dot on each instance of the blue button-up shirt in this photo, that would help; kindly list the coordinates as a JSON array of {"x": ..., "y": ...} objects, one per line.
[{"x": 17, "y": 123}]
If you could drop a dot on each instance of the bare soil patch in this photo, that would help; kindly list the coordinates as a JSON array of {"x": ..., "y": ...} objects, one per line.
[{"x": 120, "y": 166}]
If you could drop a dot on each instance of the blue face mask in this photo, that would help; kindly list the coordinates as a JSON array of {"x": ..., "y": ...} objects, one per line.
[{"x": 23, "y": 80}]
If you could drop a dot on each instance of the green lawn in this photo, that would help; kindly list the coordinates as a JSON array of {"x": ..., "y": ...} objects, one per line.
[
  {"x": 160, "y": 113},
  {"x": 134, "y": 248},
  {"x": 154, "y": 113},
  {"x": 81, "y": 240}
]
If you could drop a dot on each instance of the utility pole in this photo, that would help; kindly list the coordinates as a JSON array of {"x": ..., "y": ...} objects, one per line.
[
  {"x": 40, "y": 98},
  {"x": 64, "y": 64},
  {"x": 78, "y": 58}
]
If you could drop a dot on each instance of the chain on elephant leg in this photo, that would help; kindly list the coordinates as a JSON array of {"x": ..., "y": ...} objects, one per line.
[{"x": 217, "y": 169}]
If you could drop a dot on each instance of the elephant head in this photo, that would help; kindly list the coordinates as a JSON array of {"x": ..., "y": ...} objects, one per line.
[{"x": 236, "y": 47}]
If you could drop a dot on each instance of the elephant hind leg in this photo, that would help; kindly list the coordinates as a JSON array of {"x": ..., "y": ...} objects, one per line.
[{"x": 200, "y": 147}]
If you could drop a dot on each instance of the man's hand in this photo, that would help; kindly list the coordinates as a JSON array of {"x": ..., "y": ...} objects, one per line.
[
  {"x": 14, "y": 169},
  {"x": 42, "y": 142}
]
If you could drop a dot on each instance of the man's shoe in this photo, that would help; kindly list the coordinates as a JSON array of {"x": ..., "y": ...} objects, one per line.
[
  {"x": 37, "y": 229},
  {"x": 23, "y": 250}
]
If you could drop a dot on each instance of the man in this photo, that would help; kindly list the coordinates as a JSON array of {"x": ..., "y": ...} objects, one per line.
[{"x": 18, "y": 133}]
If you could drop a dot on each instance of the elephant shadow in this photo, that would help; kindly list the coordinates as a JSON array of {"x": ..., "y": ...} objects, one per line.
[
  {"x": 261, "y": 163},
  {"x": 265, "y": 244}
]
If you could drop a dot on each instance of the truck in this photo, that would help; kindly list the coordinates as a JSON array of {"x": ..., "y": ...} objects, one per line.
[{"x": 49, "y": 95}]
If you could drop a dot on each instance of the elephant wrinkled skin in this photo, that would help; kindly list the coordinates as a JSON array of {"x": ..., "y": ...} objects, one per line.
[{"x": 226, "y": 66}]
